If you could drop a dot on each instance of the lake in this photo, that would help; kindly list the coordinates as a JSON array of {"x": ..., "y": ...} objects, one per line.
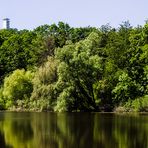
[{"x": 73, "y": 130}]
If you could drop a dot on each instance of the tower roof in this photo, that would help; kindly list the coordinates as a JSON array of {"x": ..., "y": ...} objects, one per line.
[{"x": 6, "y": 19}]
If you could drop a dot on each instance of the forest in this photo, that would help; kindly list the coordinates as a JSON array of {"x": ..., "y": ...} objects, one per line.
[{"x": 65, "y": 69}]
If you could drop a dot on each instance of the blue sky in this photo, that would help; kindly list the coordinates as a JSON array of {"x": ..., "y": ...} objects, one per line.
[{"x": 29, "y": 14}]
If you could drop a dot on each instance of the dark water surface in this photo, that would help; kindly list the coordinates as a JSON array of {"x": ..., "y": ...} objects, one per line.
[{"x": 73, "y": 130}]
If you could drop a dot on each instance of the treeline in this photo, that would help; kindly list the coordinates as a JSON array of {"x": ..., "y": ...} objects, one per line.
[{"x": 60, "y": 68}]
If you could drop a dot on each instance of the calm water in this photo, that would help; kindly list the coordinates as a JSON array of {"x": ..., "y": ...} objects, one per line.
[{"x": 73, "y": 130}]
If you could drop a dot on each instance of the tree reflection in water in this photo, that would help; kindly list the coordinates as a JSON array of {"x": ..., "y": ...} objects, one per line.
[
  {"x": 2, "y": 141},
  {"x": 73, "y": 130}
]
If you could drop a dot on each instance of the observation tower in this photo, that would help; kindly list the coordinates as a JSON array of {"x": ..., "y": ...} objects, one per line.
[{"x": 6, "y": 23}]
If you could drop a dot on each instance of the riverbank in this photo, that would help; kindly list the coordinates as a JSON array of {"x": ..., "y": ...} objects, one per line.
[{"x": 117, "y": 110}]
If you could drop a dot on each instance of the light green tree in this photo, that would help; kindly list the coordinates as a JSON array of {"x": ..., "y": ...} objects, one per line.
[{"x": 17, "y": 86}]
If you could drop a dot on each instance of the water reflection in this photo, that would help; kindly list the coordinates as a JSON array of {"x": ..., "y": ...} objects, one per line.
[{"x": 73, "y": 130}]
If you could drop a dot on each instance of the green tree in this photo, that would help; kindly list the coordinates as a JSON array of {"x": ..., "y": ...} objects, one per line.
[
  {"x": 79, "y": 69},
  {"x": 43, "y": 96},
  {"x": 17, "y": 86},
  {"x": 16, "y": 53}
]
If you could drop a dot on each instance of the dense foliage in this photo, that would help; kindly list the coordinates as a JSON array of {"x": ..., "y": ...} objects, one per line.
[{"x": 60, "y": 68}]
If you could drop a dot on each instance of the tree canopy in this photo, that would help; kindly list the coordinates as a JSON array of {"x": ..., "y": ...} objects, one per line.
[{"x": 75, "y": 69}]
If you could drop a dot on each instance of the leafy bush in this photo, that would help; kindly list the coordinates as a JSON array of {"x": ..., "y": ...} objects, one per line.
[
  {"x": 17, "y": 86},
  {"x": 125, "y": 89},
  {"x": 144, "y": 103},
  {"x": 139, "y": 104},
  {"x": 65, "y": 100}
]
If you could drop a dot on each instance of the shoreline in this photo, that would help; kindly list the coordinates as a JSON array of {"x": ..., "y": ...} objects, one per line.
[{"x": 100, "y": 112}]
